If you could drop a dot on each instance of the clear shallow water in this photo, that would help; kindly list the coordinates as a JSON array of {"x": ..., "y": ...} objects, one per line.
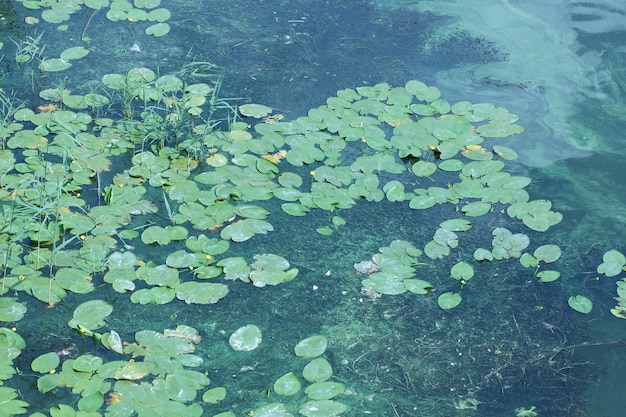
[{"x": 557, "y": 67}]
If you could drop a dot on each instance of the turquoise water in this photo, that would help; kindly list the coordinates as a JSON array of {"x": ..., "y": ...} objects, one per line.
[{"x": 513, "y": 346}]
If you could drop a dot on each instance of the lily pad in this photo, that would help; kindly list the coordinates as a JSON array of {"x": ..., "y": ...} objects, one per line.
[
  {"x": 158, "y": 29},
  {"x": 311, "y": 347},
  {"x": 322, "y": 408},
  {"x": 243, "y": 230},
  {"x": 90, "y": 315},
  {"x": 159, "y": 15},
  {"x": 548, "y": 276},
  {"x": 324, "y": 390},
  {"x": 45, "y": 363},
  {"x": 462, "y": 271},
  {"x": 214, "y": 395},
  {"x": 75, "y": 52},
  {"x": 424, "y": 168},
  {"x": 417, "y": 286},
  {"x": 613, "y": 262},
  {"x": 384, "y": 283},
  {"x": 87, "y": 363},
  {"x": 288, "y": 384},
  {"x": 11, "y": 310},
  {"x": 270, "y": 410},
  {"x": 245, "y": 338},
  {"x": 318, "y": 370},
  {"x": 257, "y": 111},
  {"x": 580, "y": 303},
  {"x": 482, "y": 254},
  {"x": 547, "y": 253},
  {"x": 449, "y": 300},
  {"x": 53, "y": 65},
  {"x": 201, "y": 292},
  {"x": 147, "y": 4}
]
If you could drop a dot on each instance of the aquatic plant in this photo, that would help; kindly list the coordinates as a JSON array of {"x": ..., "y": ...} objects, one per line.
[{"x": 139, "y": 188}]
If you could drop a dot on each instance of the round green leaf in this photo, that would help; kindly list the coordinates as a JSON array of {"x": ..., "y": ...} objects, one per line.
[
  {"x": 548, "y": 276},
  {"x": 338, "y": 221},
  {"x": 325, "y": 231},
  {"x": 318, "y": 370},
  {"x": 311, "y": 347},
  {"x": 214, "y": 395},
  {"x": 449, "y": 300},
  {"x": 147, "y": 4},
  {"x": 451, "y": 165},
  {"x": 47, "y": 383},
  {"x": 55, "y": 15},
  {"x": 168, "y": 83},
  {"x": 505, "y": 153},
  {"x": 257, "y": 111},
  {"x": 243, "y": 230},
  {"x": 547, "y": 253},
  {"x": 482, "y": 254},
  {"x": 91, "y": 402},
  {"x": 456, "y": 225},
  {"x": 394, "y": 190},
  {"x": 417, "y": 286},
  {"x": 384, "y": 283},
  {"x": 245, "y": 338},
  {"x": 155, "y": 234},
  {"x": 322, "y": 408},
  {"x": 53, "y": 65},
  {"x": 324, "y": 390},
  {"x": 462, "y": 271},
  {"x": 90, "y": 315},
  {"x": 580, "y": 303},
  {"x": 613, "y": 262},
  {"x": 158, "y": 29},
  {"x": 528, "y": 261},
  {"x": 436, "y": 250},
  {"x": 424, "y": 168},
  {"x": 201, "y": 292},
  {"x": 159, "y": 15},
  {"x": 288, "y": 384},
  {"x": 45, "y": 363},
  {"x": 422, "y": 202},
  {"x": 75, "y": 52},
  {"x": 11, "y": 310},
  {"x": 476, "y": 209},
  {"x": 87, "y": 363}
]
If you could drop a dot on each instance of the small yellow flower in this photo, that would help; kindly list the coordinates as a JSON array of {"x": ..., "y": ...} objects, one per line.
[
  {"x": 21, "y": 278},
  {"x": 52, "y": 371},
  {"x": 312, "y": 173}
]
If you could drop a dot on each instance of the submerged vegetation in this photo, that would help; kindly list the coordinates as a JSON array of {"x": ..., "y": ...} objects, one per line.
[{"x": 148, "y": 188}]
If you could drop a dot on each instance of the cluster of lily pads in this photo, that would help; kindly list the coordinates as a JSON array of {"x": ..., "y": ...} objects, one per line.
[
  {"x": 60, "y": 12},
  {"x": 209, "y": 186},
  {"x": 136, "y": 187},
  {"x": 613, "y": 264},
  {"x": 316, "y": 372}
]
